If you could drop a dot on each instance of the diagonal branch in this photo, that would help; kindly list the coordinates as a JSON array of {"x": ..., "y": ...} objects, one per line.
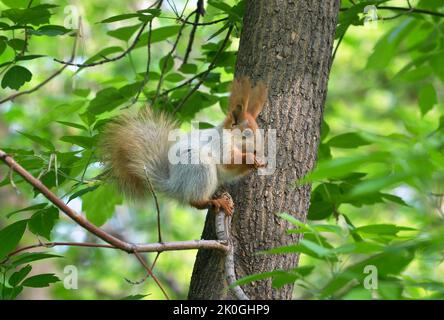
[
  {"x": 158, "y": 4},
  {"x": 103, "y": 235},
  {"x": 199, "y": 11},
  {"x": 113, "y": 242},
  {"x": 168, "y": 56}
]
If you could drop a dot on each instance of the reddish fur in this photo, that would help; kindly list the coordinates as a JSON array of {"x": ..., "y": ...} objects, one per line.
[{"x": 251, "y": 100}]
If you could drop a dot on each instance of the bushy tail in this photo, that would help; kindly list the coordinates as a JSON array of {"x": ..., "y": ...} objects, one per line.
[{"x": 134, "y": 148}]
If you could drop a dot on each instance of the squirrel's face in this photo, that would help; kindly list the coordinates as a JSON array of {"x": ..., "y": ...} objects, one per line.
[
  {"x": 243, "y": 125},
  {"x": 246, "y": 103}
]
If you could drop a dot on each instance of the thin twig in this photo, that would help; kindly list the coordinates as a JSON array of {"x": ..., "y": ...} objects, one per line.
[
  {"x": 204, "y": 76},
  {"x": 159, "y": 233},
  {"x": 206, "y": 23},
  {"x": 199, "y": 12},
  {"x": 415, "y": 10},
  {"x": 185, "y": 83},
  {"x": 167, "y": 57},
  {"x": 108, "y": 238},
  {"x": 147, "y": 268},
  {"x": 106, "y": 60},
  {"x": 146, "y": 76},
  {"x": 55, "y": 74},
  {"x": 337, "y": 45},
  {"x": 400, "y": 14}
]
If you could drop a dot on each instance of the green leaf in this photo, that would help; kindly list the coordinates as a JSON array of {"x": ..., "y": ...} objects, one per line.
[
  {"x": 106, "y": 100},
  {"x": 82, "y": 92},
  {"x": 386, "y": 48},
  {"x": 16, "y": 77},
  {"x": 100, "y": 204},
  {"x": 124, "y": 33},
  {"x": 120, "y": 17},
  {"x": 82, "y": 141},
  {"x": 376, "y": 184},
  {"x": 166, "y": 64},
  {"x": 395, "y": 199},
  {"x": 359, "y": 248},
  {"x": 307, "y": 247},
  {"x": 10, "y": 236},
  {"x": 349, "y": 140},
  {"x": 30, "y": 208},
  {"x": 18, "y": 276},
  {"x": 320, "y": 210},
  {"x": 82, "y": 192},
  {"x": 73, "y": 125},
  {"x": 437, "y": 66},
  {"x": 289, "y": 277},
  {"x": 16, "y": 3},
  {"x": 40, "y": 280},
  {"x": 17, "y": 44},
  {"x": 10, "y": 293},
  {"x": 280, "y": 277},
  {"x": 390, "y": 262},
  {"x": 102, "y": 54},
  {"x": 29, "y": 57},
  {"x": 50, "y": 31},
  {"x": 36, "y": 15},
  {"x": 158, "y": 35},
  {"x": 383, "y": 229},
  {"x": 2, "y": 46},
  {"x": 188, "y": 68},
  {"x": 30, "y": 257},
  {"x": 41, "y": 141},
  {"x": 174, "y": 77},
  {"x": 42, "y": 222},
  {"x": 255, "y": 277},
  {"x": 427, "y": 98},
  {"x": 340, "y": 167}
]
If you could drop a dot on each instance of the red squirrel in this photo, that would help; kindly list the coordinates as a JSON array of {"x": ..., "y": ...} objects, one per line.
[{"x": 136, "y": 151}]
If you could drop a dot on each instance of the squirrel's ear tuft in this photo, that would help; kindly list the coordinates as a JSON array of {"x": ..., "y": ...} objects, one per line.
[
  {"x": 240, "y": 93},
  {"x": 237, "y": 114},
  {"x": 257, "y": 99}
]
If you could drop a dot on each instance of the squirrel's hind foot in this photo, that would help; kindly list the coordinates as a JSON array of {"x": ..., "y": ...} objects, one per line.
[{"x": 224, "y": 203}]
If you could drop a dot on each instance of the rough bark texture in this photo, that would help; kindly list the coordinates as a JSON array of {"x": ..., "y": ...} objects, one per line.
[{"x": 287, "y": 44}]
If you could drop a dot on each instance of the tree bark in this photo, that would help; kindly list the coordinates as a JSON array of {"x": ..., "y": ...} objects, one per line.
[{"x": 288, "y": 45}]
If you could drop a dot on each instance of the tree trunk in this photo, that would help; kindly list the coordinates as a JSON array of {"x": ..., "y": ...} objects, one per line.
[{"x": 288, "y": 45}]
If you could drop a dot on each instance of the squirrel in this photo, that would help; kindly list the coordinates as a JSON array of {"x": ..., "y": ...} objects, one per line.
[{"x": 135, "y": 152}]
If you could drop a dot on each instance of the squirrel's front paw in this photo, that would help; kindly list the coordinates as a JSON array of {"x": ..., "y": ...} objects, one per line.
[{"x": 259, "y": 163}]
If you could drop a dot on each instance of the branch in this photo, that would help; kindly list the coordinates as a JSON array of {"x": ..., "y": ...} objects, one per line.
[
  {"x": 199, "y": 11},
  {"x": 113, "y": 242},
  {"x": 143, "y": 263},
  {"x": 223, "y": 226},
  {"x": 412, "y": 10},
  {"x": 108, "y": 238},
  {"x": 205, "y": 23},
  {"x": 165, "y": 63},
  {"x": 55, "y": 74},
  {"x": 185, "y": 83},
  {"x": 151, "y": 247},
  {"x": 205, "y": 74},
  {"x": 158, "y": 4}
]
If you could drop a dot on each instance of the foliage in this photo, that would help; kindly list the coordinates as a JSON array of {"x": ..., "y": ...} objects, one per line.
[{"x": 377, "y": 189}]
